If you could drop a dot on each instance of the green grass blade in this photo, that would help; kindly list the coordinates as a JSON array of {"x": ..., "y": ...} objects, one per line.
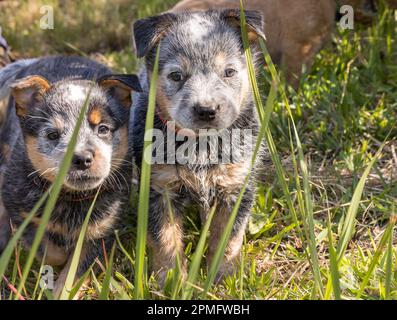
[
  {"x": 69, "y": 283},
  {"x": 383, "y": 241},
  {"x": 144, "y": 189},
  {"x": 120, "y": 294},
  {"x": 272, "y": 147},
  {"x": 389, "y": 265},
  {"x": 250, "y": 66},
  {"x": 55, "y": 190},
  {"x": 79, "y": 283},
  {"x": 218, "y": 256},
  {"x": 308, "y": 202},
  {"x": 108, "y": 276},
  {"x": 177, "y": 272},
  {"x": 123, "y": 249},
  {"x": 302, "y": 207},
  {"x": 335, "y": 276},
  {"x": 197, "y": 257},
  {"x": 242, "y": 268},
  {"x": 7, "y": 253},
  {"x": 308, "y": 221},
  {"x": 349, "y": 223},
  {"x": 37, "y": 285},
  {"x": 264, "y": 116}
]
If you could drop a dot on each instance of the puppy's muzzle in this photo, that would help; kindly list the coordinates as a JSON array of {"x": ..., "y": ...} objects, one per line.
[
  {"x": 83, "y": 160},
  {"x": 206, "y": 113}
]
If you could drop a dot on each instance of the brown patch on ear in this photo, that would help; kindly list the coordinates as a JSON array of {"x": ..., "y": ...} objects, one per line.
[
  {"x": 251, "y": 32},
  {"x": 27, "y": 91},
  {"x": 252, "y": 35},
  {"x": 253, "y": 21},
  {"x": 119, "y": 86},
  {"x": 119, "y": 90},
  {"x": 95, "y": 116}
]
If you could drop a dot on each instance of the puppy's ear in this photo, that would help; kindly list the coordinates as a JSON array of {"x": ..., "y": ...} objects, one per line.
[
  {"x": 148, "y": 32},
  {"x": 253, "y": 19},
  {"x": 119, "y": 86},
  {"x": 28, "y": 91}
]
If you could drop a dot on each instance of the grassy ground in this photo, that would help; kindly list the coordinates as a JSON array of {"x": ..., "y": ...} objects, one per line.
[{"x": 344, "y": 111}]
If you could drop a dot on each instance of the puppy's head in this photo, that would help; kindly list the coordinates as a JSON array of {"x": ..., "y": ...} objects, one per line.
[
  {"x": 48, "y": 114},
  {"x": 203, "y": 81}
]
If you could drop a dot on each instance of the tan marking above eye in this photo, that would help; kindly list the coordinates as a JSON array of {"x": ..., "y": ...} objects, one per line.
[
  {"x": 220, "y": 59},
  {"x": 57, "y": 123},
  {"x": 95, "y": 116}
]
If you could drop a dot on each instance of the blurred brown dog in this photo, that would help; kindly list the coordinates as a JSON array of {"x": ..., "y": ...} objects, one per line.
[
  {"x": 295, "y": 29},
  {"x": 294, "y": 33},
  {"x": 365, "y": 10}
]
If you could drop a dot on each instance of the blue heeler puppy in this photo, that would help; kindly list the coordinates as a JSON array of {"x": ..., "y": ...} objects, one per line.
[
  {"x": 203, "y": 84},
  {"x": 47, "y": 95}
]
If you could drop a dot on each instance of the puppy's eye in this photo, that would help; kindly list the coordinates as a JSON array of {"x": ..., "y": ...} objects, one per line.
[
  {"x": 103, "y": 130},
  {"x": 53, "y": 135},
  {"x": 175, "y": 76},
  {"x": 230, "y": 73}
]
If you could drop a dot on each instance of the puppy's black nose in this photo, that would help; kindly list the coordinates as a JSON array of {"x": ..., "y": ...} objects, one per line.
[
  {"x": 205, "y": 113},
  {"x": 82, "y": 160}
]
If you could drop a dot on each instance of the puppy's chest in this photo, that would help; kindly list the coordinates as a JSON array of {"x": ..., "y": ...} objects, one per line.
[
  {"x": 202, "y": 185},
  {"x": 66, "y": 221}
]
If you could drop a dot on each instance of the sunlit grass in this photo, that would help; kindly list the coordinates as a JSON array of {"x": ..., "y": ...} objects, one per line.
[{"x": 322, "y": 226}]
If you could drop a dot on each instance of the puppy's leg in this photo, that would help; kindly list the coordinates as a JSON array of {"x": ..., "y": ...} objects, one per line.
[
  {"x": 5, "y": 228},
  {"x": 89, "y": 253},
  {"x": 165, "y": 236},
  {"x": 221, "y": 217},
  {"x": 5, "y": 222},
  {"x": 60, "y": 282}
]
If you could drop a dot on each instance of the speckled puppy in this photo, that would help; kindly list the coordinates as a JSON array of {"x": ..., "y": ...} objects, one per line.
[
  {"x": 203, "y": 84},
  {"x": 46, "y": 98}
]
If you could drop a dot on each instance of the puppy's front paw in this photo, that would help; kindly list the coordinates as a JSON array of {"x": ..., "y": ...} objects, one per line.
[
  {"x": 225, "y": 270},
  {"x": 161, "y": 273}
]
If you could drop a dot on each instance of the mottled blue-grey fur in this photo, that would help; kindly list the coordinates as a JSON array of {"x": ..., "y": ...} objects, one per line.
[{"x": 202, "y": 84}]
